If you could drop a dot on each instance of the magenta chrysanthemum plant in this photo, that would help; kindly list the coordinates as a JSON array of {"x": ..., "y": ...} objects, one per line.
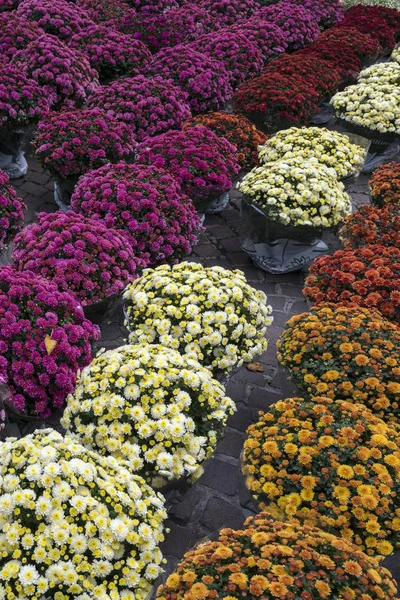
[
  {"x": 57, "y": 17},
  {"x": 326, "y": 12},
  {"x": 22, "y": 100},
  {"x": 112, "y": 53},
  {"x": 229, "y": 12},
  {"x": 79, "y": 254},
  {"x": 44, "y": 341},
  {"x": 112, "y": 12},
  {"x": 241, "y": 57},
  {"x": 7, "y": 5},
  {"x": 153, "y": 6},
  {"x": 146, "y": 203},
  {"x": 59, "y": 69},
  {"x": 202, "y": 162},
  {"x": 205, "y": 79},
  {"x": 12, "y": 211},
  {"x": 268, "y": 37},
  {"x": 299, "y": 24},
  {"x": 73, "y": 142},
  {"x": 16, "y": 33},
  {"x": 148, "y": 105}
]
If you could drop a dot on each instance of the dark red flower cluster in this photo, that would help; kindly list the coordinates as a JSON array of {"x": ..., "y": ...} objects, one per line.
[
  {"x": 379, "y": 21},
  {"x": 362, "y": 44}
]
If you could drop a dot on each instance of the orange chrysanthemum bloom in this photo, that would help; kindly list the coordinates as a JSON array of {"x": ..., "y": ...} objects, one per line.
[{"x": 385, "y": 184}]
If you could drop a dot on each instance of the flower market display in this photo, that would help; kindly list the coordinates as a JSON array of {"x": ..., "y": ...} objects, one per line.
[
  {"x": 372, "y": 225},
  {"x": 57, "y": 17},
  {"x": 12, "y": 211},
  {"x": 163, "y": 432},
  {"x": 329, "y": 148},
  {"x": 79, "y": 254},
  {"x": 210, "y": 314},
  {"x": 385, "y": 184},
  {"x": 44, "y": 340},
  {"x": 149, "y": 105},
  {"x": 146, "y": 204},
  {"x": 330, "y": 463},
  {"x": 239, "y": 131},
  {"x": 271, "y": 559},
  {"x": 344, "y": 353},
  {"x": 81, "y": 524},
  {"x": 16, "y": 32},
  {"x": 367, "y": 276}
]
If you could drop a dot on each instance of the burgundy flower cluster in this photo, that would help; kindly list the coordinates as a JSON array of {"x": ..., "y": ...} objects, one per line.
[
  {"x": 363, "y": 45},
  {"x": 16, "y": 33},
  {"x": 148, "y": 105},
  {"x": 12, "y": 211},
  {"x": 73, "y": 142},
  {"x": 79, "y": 254},
  {"x": 379, "y": 21},
  {"x": 146, "y": 203},
  {"x": 111, "y": 53},
  {"x": 59, "y": 69},
  {"x": 57, "y": 17},
  {"x": 44, "y": 340}
]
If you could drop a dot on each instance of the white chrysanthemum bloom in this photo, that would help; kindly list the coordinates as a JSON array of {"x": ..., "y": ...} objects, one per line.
[
  {"x": 382, "y": 73},
  {"x": 330, "y": 148},
  {"x": 171, "y": 403},
  {"x": 88, "y": 507}
]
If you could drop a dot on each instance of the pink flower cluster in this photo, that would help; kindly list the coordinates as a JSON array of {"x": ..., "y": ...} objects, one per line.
[
  {"x": 57, "y": 17},
  {"x": 111, "y": 53},
  {"x": 59, "y": 69},
  {"x": 71, "y": 143},
  {"x": 326, "y": 12},
  {"x": 79, "y": 254},
  {"x": 149, "y": 106},
  {"x": 205, "y": 79},
  {"x": 114, "y": 12},
  {"x": 146, "y": 203},
  {"x": 202, "y": 162},
  {"x": 298, "y": 23},
  {"x": 268, "y": 37},
  {"x": 21, "y": 99},
  {"x": 11, "y": 212},
  {"x": 31, "y": 311},
  {"x": 241, "y": 57},
  {"x": 16, "y": 32},
  {"x": 229, "y": 12}
]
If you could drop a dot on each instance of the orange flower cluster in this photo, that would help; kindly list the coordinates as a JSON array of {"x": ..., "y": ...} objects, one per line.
[
  {"x": 345, "y": 352},
  {"x": 385, "y": 184},
  {"x": 239, "y": 131},
  {"x": 330, "y": 463},
  {"x": 272, "y": 560},
  {"x": 371, "y": 225}
]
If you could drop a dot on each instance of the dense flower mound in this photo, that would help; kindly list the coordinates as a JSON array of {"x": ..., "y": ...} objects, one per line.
[
  {"x": 299, "y": 24},
  {"x": 164, "y": 432},
  {"x": 273, "y": 98},
  {"x": 22, "y": 100},
  {"x": 268, "y": 37},
  {"x": 239, "y": 131},
  {"x": 272, "y": 559},
  {"x": 16, "y": 32},
  {"x": 12, "y": 211},
  {"x": 318, "y": 72},
  {"x": 146, "y": 203},
  {"x": 372, "y": 225},
  {"x": 342, "y": 57},
  {"x": 326, "y": 12},
  {"x": 44, "y": 341},
  {"x": 363, "y": 44},
  {"x": 73, "y": 142},
  {"x": 295, "y": 191},
  {"x": 334, "y": 464},
  {"x": 329, "y": 148},
  {"x": 381, "y": 74},
  {"x": 8, "y": 5},
  {"x": 240, "y": 56},
  {"x": 111, "y": 53},
  {"x": 83, "y": 525},
  {"x": 205, "y": 79},
  {"x": 385, "y": 184},
  {"x": 112, "y": 11},
  {"x": 79, "y": 254},
  {"x": 345, "y": 352},
  {"x": 374, "y": 21},
  {"x": 229, "y": 12},
  {"x": 59, "y": 69},
  {"x": 210, "y": 314},
  {"x": 200, "y": 161},
  {"x": 367, "y": 276},
  {"x": 57, "y": 17},
  {"x": 153, "y": 6},
  {"x": 148, "y": 105}
]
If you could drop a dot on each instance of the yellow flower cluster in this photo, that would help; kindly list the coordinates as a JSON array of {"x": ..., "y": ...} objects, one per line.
[
  {"x": 330, "y": 148},
  {"x": 382, "y": 73},
  {"x": 396, "y": 54},
  {"x": 210, "y": 314},
  {"x": 159, "y": 410},
  {"x": 297, "y": 192},
  {"x": 333, "y": 464},
  {"x": 273, "y": 560},
  {"x": 74, "y": 524}
]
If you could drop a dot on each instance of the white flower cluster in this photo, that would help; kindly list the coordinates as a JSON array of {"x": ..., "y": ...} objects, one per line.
[
  {"x": 210, "y": 314},
  {"x": 396, "y": 54},
  {"x": 297, "y": 192},
  {"x": 330, "y": 148},
  {"x": 381, "y": 74},
  {"x": 373, "y": 106},
  {"x": 149, "y": 405},
  {"x": 74, "y": 524},
  {"x": 388, "y": 3}
]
